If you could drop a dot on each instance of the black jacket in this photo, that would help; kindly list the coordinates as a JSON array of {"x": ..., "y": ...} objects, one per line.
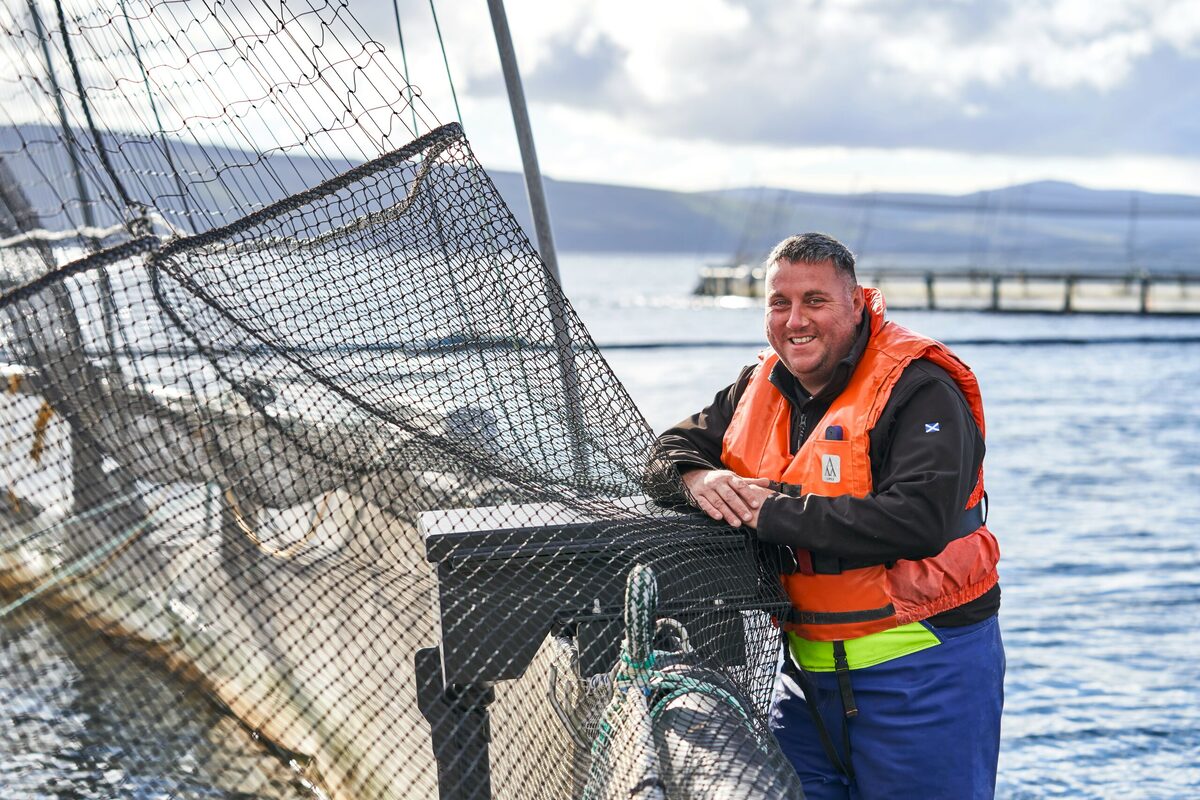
[{"x": 922, "y": 475}]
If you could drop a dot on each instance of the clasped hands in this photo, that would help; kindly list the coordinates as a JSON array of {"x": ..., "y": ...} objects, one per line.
[{"x": 725, "y": 495}]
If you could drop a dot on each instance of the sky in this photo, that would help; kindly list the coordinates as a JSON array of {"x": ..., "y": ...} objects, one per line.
[{"x": 946, "y": 96}]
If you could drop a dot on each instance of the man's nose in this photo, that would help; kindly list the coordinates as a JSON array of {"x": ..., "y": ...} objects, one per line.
[{"x": 797, "y": 318}]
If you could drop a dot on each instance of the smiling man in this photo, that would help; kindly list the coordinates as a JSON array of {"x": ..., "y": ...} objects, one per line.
[{"x": 855, "y": 448}]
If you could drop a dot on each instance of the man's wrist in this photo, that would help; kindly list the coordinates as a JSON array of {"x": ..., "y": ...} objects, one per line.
[{"x": 769, "y": 527}]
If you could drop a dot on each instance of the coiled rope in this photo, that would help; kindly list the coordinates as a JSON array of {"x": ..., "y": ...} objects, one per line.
[{"x": 637, "y": 669}]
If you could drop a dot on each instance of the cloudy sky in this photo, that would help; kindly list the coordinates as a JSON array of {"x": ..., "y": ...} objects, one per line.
[{"x": 842, "y": 95}]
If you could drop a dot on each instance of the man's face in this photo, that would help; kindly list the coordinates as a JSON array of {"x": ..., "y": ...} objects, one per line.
[{"x": 812, "y": 318}]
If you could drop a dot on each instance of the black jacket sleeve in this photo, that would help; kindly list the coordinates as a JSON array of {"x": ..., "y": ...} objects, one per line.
[
  {"x": 926, "y": 452},
  {"x": 696, "y": 441}
]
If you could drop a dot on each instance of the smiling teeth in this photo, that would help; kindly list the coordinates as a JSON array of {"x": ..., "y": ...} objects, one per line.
[{"x": 801, "y": 339}]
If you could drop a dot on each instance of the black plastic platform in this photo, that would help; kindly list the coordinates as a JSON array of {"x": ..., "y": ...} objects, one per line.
[{"x": 508, "y": 576}]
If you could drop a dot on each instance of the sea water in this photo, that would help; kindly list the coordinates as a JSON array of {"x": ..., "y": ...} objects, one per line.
[{"x": 1093, "y": 472}]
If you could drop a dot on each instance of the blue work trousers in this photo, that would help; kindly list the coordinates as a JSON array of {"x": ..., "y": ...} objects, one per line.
[{"x": 928, "y": 723}]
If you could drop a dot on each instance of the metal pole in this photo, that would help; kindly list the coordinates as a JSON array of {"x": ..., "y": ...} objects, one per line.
[
  {"x": 545, "y": 237},
  {"x": 533, "y": 175}
]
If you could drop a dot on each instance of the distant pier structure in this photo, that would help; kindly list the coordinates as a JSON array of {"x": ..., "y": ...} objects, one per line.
[{"x": 999, "y": 291}]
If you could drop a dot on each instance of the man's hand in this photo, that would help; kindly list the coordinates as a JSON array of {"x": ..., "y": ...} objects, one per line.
[{"x": 725, "y": 495}]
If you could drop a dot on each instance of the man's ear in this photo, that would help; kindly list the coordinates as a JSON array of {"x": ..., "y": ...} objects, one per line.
[{"x": 860, "y": 302}]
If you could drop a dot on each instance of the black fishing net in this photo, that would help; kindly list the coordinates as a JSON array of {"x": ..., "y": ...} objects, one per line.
[{"x": 325, "y": 489}]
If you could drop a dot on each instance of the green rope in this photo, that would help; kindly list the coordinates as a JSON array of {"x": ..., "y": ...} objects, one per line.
[
  {"x": 641, "y": 605},
  {"x": 636, "y": 669},
  {"x": 637, "y": 652},
  {"x": 643, "y": 665},
  {"x": 631, "y": 673},
  {"x": 446, "y": 61},
  {"x": 682, "y": 686}
]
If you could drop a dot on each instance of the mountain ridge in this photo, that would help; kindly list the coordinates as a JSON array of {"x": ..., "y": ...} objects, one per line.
[{"x": 1035, "y": 223}]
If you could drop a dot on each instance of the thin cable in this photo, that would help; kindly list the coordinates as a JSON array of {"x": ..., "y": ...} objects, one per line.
[
  {"x": 87, "y": 113},
  {"x": 446, "y": 61},
  {"x": 166, "y": 145},
  {"x": 85, "y": 202},
  {"x": 404, "y": 61}
]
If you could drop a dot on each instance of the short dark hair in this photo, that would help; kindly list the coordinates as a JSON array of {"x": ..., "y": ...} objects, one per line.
[{"x": 815, "y": 248}]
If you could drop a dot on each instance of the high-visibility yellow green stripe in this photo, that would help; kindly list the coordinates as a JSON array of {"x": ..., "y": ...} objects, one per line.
[{"x": 865, "y": 651}]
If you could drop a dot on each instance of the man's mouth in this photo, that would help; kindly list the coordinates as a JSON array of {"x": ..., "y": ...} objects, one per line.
[{"x": 800, "y": 339}]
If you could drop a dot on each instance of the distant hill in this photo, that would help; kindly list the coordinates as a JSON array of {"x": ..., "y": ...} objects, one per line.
[
  {"x": 1046, "y": 224},
  {"x": 1039, "y": 225}
]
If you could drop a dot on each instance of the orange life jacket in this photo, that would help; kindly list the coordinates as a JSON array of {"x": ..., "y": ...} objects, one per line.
[{"x": 866, "y": 600}]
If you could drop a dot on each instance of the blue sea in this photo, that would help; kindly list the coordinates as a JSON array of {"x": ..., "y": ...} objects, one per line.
[{"x": 1093, "y": 472}]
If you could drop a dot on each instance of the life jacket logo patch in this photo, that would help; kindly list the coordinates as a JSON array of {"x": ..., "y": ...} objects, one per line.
[
  {"x": 831, "y": 468},
  {"x": 933, "y": 427}
]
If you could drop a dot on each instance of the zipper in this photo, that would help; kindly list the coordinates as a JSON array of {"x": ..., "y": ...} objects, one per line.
[{"x": 801, "y": 430}]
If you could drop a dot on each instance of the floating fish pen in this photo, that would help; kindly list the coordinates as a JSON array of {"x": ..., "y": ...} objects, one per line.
[
  {"x": 330, "y": 447},
  {"x": 405, "y": 565},
  {"x": 1012, "y": 291}
]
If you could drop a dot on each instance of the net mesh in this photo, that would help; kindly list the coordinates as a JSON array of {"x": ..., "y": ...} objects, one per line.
[{"x": 314, "y": 481}]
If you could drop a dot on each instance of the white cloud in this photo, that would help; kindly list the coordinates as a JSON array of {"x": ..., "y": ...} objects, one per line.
[
  {"x": 658, "y": 35},
  {"x": 866, "y": 93},
  {"x": 961, "y": 94},
  {"x": 1179, "y": 26},
  {"x": 709, "y": 53},
  {"x": 575, "y": 145}
]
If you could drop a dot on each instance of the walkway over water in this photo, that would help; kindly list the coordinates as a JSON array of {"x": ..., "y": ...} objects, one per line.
[{"x": 1001, "y": 291}]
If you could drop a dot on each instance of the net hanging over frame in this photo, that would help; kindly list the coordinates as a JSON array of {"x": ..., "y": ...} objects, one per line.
[{"x": 322, "y": 444}]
